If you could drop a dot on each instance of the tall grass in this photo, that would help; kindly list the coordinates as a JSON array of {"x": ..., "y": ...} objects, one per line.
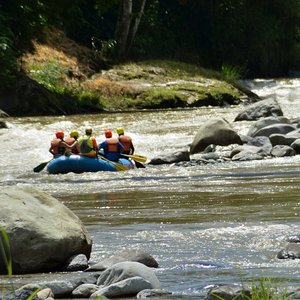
[{"x": 259, "y": 289}]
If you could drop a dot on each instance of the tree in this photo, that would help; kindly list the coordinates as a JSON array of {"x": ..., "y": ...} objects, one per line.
[{"x": 127, "y": 25}]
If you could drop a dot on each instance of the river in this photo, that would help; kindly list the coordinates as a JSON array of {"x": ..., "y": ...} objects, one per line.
[{"x": 208, "y": 224}]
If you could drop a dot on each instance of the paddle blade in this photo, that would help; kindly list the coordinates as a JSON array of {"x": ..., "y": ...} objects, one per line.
[
  {"x": 139, "y": 158},
  {"x": 40, "y": 167},
  {"x": 119, "y": 167},
  {"x": 139, "y": 165}
]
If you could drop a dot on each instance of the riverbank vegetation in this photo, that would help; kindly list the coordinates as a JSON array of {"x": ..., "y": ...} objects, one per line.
[{"x": 79, "y": 56}]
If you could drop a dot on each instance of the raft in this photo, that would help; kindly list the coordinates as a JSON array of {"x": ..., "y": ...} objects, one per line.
[{"x": 81, "y": 164}]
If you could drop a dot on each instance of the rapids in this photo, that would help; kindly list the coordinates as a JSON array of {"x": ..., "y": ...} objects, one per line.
[{"x": 210, "y": 224}]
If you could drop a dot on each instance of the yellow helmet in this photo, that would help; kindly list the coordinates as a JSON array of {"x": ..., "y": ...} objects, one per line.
[
  {"x": 74, "y": 134},
  {"x": 88, "y": 131},
  {"x": 120, "y": 130}
]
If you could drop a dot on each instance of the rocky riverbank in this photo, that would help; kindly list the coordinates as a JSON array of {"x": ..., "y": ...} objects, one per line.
[{"x": 60, "y": 77}]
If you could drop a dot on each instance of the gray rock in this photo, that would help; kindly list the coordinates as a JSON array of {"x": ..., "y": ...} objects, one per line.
[
  {"x": 77, "y": 263},
  {"x": 261, "y": 123},
  {"x": 124, "y": 270},
  {"x": 274, "y": 128},
  {"x": 255, "y": 111},
  {"x": 84, "y": 290},
  {"x": 3, "y": 114},
  {"x": 291, "y": 251},
  {"x": 45, "y": 294},
  {"x": 282, "y": 150},
  {"x": 152, "y": 293},
  {"x": 229, "y": 292},
  {"x": 170, "y": 158},
  {"x": 281, "y": 139},
  {"x": 127, "y": 287},
  {"x": 128, "y": 255},
  {"x": 247, "y": 153},
  {"x": 3, "y": 124},
  {"x": 216, "y": 131},
  {"x": 294, "y": 238},
  {"x": 262, "y": 142},
  {"x": 296, "y": 146},
  {"x": 37, "y": 226}
]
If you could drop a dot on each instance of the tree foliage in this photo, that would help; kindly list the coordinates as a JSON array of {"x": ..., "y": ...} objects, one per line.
[{"x": 261, "y": 37}]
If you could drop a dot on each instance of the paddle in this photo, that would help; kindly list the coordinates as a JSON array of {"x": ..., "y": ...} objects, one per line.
[
  {"x": 41, "y": 166},
  {"x": 139, "y": 165},
  {"x": 135, "y": 157},
  {"x": 119, "y": 167}
]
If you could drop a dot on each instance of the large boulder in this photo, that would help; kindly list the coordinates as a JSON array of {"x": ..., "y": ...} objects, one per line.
[
  {"x": 217, "y": 131},
  {"x": 261, "y": 109},
  {"x": 43, "y": 233}
]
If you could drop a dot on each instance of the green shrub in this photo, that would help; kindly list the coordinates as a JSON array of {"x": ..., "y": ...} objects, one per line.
[{"x": 50, "y": 75}]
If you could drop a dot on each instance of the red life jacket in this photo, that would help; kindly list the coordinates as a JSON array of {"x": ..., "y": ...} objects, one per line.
[
  {"x": 55, "y": 147},
  {"x": 112, "y": 145},
  {"x": 126, "y": 141}
]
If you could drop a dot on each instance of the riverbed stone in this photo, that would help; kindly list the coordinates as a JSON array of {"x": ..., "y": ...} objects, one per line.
[
  {"x": 283, "y": 150},
  {"x": 296, "y": 146},
  {"x": 260, "y": 109},
  {"x": 263, "y": 122},
  {"x": 281, "y": 139},
  {"x": 43, "y": 233},
  {"x": 248, "y": 152},
  {"x": 153, "y": 293},
  {"x": 274, "y": 128},
  {"x": 216, "y": 131},
  {"x": 124, "y": 270},
  {"x": 126, "y": 287},
  {"x": 77, "y": 263},
  {"x": 85, "y": 290},
  {"x": 229, "y": 292},
  {"x": 170, "y": 158},
  {"x": 137, "y": 255},
  {"x": 291, "y": 251}
]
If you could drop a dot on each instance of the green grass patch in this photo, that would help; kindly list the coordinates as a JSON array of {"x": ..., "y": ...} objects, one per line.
[{"x": 159, "y": 97}]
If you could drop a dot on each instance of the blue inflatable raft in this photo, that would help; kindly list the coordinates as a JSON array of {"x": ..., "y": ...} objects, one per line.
[{"x": 80, "y": 164}]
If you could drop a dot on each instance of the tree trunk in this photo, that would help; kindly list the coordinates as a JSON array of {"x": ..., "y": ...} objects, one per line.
[
  {"x": 127, "y": 26},
  {"x": 136, "y": 25},
  {"x": 123, "y": 27}
]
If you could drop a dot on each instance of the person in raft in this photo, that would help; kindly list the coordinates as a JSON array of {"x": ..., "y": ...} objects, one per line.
[
  {"x": 88, "y": 145},
  {"x": 126, "y": 141},
  {"x": 74, "y": 135},
  {"x": 59, "y": 147},
  {"x": 111, "y": 146}
]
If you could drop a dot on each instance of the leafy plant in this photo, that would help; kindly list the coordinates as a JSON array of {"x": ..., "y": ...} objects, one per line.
[
  {"x": 50, "y": 75},
  {"x": 230, "y": 73}
]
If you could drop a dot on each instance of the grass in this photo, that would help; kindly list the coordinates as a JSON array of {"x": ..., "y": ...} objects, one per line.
[
  {"x": 7, "y": 259},
  {"x": 67, "y": 70},
  {"x": 259, "y": 289}
]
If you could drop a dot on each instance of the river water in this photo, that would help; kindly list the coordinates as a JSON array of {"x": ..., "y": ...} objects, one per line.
[{"x": 205, "y": 225}]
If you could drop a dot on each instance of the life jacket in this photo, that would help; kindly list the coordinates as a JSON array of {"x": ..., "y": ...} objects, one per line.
[
  {"x": 112, "y": 145},
  {"x": 126, "y": 141},
  {"x": 86, "y": 146},
  {"x": 56, "y": 148},
  {"x": 70, "y": 141}
]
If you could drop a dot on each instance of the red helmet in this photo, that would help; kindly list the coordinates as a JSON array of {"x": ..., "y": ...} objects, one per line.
[
  {"x": 59, "y": 134},
  {"x": 108, "y": 133}
]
